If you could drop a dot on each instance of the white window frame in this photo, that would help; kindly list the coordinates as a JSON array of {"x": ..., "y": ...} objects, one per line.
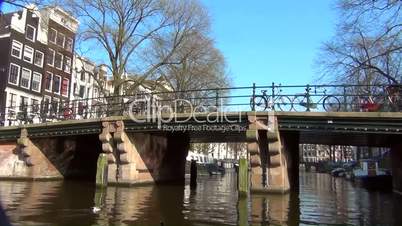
[
  {"x": 42, "y": 59},
  {"x": 11, "y": 103},
  {"x": 64, "y": 39},
  {"x": 51, "y": 81},
  {"x": 29, "y": 80},
  {"x": 26, "y": 33},
  {"x": 40, "y": 81},
  {"x": 69, "y": 65},
  {"x": 55, "y": 37},
  {"x": 60, "y": 80},
  {"x": 57, "y": 106},
  {"x": 32, "y": 56},
  {"x": 15, "y": 42},
  {"x": 61, "y": 60},
  {"x": 54, "y": 56},
  {"x": 68, "y": 86},
  {"x": 18, "y": 76}
]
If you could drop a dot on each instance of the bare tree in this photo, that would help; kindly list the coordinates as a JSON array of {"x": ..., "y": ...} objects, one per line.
[
  {"x": 202, "y": 66},
  {"x": 367, "y": 47},
  {"x": 126, "y": 30},
  {"x": 19, "y": 4}
]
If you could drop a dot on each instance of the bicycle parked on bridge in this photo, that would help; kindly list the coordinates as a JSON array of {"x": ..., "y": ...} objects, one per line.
[
  {"x": 271, "y": 102},
  {"x": 305, "y": 102},
  {"x": 389, "y": 99}
]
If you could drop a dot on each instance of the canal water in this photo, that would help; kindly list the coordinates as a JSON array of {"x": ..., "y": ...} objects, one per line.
[{"x": 321, "y": 200}]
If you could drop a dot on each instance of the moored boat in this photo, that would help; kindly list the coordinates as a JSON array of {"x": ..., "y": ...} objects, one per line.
[
  {"x": 370, "y": 176},
  {"x": 215, "y": 169}
]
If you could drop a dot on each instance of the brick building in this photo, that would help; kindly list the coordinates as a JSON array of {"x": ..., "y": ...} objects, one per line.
[{"x": 36, "y": 52}]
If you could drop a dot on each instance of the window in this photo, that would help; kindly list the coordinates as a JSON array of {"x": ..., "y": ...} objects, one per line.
[
  {"x": 30, "y": 33},
  {"x": 50, "y": 57},
  {"x": 81, "y": 108},
  {"x": 82, "y": 91},
  {"x": 56, "y": 87},
  {"x": 69, "y": 44},
  {"x": 52, "y": 35},
  {"x": 14, "y": 73},
  {"x": 34, "y": 105},
  {"x": 28, "y": 54},
  {"x": 48, "y": 81},
  {"x": 88, "y": 91},
  {"x": 38, "y": 58},
  {"x": 67, "y": 64},
  {"x": 75, "y": 88},
  {"x": 46, "y": 104},
  {"x": 23, "y": 103},
  {"x": 60, "y": 39},
  {"x": 55, "y": 106},
  {"x": 36, "y": 81},
  {"x": 16, "y": 49},
  {"x": 13, "y": 100},
  {"x": 83, "y": 75},
  {"x": 58, "y": 61},
  {"x": 25, "y": 78},
  {"x": 64, "y": 87}
]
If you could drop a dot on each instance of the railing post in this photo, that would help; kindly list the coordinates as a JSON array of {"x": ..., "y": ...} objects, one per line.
[
  {"x": 217, "y": 100},
  {"x": 253, "y": 98},
  {"x": 62, "y": 109},
  {"x": 345, "y": 105},
  {"x": 43, "y": 111},
  {"x": 273, "y": 96},
  {"x": 308, "y": 97},
  {"x": 122, "y": 106}
]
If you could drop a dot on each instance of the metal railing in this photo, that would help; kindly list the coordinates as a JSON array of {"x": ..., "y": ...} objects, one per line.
[{"x": 274, "y": 97}]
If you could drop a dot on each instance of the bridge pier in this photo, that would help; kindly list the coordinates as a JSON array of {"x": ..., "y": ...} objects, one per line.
[
  {"x": 396, "y": 158},
  {"x": 138, "y": 158},
  {"x": 272, "y": 156},
  {"x": 35, "y": 159}
]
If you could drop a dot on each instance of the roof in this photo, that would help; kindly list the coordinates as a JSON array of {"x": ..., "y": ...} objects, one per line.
[{"x": 5, "y": 22}]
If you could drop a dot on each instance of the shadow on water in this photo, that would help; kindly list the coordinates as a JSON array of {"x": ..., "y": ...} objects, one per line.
[{"x": 321, "y": 199}]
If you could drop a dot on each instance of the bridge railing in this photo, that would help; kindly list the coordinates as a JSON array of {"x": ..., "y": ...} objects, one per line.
[{"x": 273, "y": 97}]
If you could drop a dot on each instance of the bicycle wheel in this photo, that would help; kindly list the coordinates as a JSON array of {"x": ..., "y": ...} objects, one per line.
[
  {"x": 299, "y": 103},
  {"x": 284, "y": 103},
  {"x": 331, "y": 103},
  {"x": 260, "y": 103}
]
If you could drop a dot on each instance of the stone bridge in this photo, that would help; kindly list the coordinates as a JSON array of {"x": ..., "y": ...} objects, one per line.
[{"x": 153, "y": 150}]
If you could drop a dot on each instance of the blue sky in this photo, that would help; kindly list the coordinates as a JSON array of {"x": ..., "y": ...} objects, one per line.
[{"x": 268, "y": 41}]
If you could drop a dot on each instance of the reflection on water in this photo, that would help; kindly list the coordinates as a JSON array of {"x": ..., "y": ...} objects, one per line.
[
  {"x": 328, "y": 200},
  {"x": 321, "y": 200}
]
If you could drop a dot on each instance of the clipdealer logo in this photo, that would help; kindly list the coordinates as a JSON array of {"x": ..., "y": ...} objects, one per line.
[{"x": 180, "y": 111}]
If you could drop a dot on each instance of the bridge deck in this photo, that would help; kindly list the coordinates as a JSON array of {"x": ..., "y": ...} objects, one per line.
[{"x": 360, "y": 128}]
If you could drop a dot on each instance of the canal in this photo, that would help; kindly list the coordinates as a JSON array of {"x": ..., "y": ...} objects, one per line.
[{"x": 321, "y": 199}]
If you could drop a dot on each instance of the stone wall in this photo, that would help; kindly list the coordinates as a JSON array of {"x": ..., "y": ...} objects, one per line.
[
  {"x": 136, "y": 158},
  {"x": 273, "y": 156},
  {"x": 48, "y": 158},
  {"x": 29, "y": 159}
]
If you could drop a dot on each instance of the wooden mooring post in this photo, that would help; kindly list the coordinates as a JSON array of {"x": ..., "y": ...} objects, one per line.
[
  {"x": 243, "y": 178},
  {"x": 193, "y": 174},
  {"x": 101, "y": 171}
]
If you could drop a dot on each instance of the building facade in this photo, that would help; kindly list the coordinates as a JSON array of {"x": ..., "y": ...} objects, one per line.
[
  {"x": 22, "y": 57},
  {"x": 61, "y": 31},
  {"x": 36, "y": 50}
]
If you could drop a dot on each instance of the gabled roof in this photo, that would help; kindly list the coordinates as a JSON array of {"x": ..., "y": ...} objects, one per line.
[{"x": 5, "y": 22}]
